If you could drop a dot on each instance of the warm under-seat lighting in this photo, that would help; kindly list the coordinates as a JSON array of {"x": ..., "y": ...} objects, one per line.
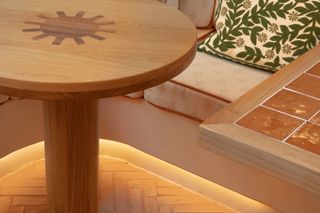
[{"x": 35, "y": 152}]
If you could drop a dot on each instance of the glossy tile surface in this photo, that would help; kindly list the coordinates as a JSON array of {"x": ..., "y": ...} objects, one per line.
[
  {"x": 294, "y": 103},
  {"x": 308, "y": 138},
  {"x": 297, "y": 116},
  {"x": 315, "y": 70},
  {"x": 270, "y": 123},
  {"x": 306, "y": 84},
  {"x": 316, "y": 119}
]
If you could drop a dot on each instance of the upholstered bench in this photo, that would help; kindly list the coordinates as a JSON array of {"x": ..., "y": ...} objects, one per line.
[
  {"x": 211, "y": 82},
  {"x": 206, "y": 86}
]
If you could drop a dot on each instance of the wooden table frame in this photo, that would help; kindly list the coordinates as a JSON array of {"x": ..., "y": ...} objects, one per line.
[
  {"x": 71, "y": 150},
  {"x": 98, "y": 53},
  {"x": 295, "y": 165}
]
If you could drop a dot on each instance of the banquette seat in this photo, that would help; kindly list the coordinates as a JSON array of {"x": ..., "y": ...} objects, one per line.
[{"x": 210, "y": 82}]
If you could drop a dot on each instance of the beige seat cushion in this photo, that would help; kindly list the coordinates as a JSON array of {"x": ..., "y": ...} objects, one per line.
[{"x": 207, "y": 85}]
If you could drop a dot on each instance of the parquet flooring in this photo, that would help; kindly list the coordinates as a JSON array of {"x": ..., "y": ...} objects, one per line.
[{"x": 123, "y": 188}]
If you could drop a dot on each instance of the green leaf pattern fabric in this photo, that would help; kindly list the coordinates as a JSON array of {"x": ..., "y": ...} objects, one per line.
[{"x": 267, "y": 34}]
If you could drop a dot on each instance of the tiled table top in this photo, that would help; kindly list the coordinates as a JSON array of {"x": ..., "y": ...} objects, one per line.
[
  {"x": 291, "y": 115},
  {"x": 274, "y": 127}
]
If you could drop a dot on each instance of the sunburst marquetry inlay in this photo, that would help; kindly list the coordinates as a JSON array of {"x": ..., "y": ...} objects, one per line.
[{"x": 75, "y": 27}]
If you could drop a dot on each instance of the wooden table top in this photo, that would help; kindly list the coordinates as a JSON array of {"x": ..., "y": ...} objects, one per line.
[
  {"x": 275, "y": 127},
  {"x": 67, "y": 49}
]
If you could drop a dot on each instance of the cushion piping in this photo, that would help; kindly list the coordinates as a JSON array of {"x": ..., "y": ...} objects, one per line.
[
  {"x": 175, "y": 112},
  {"x": 201, "y": 91}
]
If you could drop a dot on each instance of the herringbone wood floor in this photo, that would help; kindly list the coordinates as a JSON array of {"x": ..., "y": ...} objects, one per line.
[{"x": 123, "y": 188}]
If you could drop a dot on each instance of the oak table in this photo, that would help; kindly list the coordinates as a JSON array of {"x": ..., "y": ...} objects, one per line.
[{"x": 71, "y": 53}]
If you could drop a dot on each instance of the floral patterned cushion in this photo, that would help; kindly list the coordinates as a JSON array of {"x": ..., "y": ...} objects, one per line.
[{"x": 267, "y": 34}]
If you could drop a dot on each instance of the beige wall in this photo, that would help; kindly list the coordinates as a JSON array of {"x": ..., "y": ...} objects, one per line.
[{"x": 20, "y": 125}]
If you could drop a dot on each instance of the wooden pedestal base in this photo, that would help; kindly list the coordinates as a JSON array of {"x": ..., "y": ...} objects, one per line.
[{"x": 71, "y": 149}]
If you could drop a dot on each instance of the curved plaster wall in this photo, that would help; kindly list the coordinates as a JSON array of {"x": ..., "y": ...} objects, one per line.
[{"x": 20, "y": 125}]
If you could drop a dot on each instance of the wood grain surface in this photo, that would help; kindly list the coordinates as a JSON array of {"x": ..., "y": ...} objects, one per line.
[
  {"x": 219, "y": 133},
  {"x": 63, "y": 51},
  {"x": 128, "y": 45},
  {"x": 71, "y": 150},
  {"x": 122, "y": 188}
]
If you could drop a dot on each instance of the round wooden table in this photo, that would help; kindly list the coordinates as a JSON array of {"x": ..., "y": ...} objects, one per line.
[{"x": 71, "y": 53}]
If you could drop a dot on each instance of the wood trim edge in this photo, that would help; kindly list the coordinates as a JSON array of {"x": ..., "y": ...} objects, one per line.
[{"x": 263, "y": 155}]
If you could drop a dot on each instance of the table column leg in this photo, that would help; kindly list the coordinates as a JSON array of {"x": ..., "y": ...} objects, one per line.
[{"x": 71, "y": 149}]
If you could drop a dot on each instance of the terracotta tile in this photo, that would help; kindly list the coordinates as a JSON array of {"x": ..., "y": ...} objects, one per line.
[
  {"x": 316, "y": 119},
  {"x": 293, "y": 103},
  {"x": 308, "y": 138},
  {"x": 306, "y": 84},
  {"x": 269, "y": 122},
  {"x": 315, "y": 70}
]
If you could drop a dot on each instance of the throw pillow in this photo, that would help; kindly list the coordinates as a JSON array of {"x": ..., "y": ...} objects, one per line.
[{"x": 267, "y": 34}]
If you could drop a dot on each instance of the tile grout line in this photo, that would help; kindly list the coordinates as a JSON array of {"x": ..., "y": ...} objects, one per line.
[
  {"x": 316, "y": 76},
  {"x": 276, "y": 110},
  {"x": 294, "y": 131},
  {"x": 315, "y": 114},
  {"x": 310, "y": 96},
  {"x": 244, "y": 115},
  {"x": 305, "y": 121},
  {"x": 265, "y": 100},
  {"x": 277, "y": 91},
  {"x": 260, "y": 133},
  {"x": 304, "y": 72},
  {"x": 316, "y": 63},
  {"x": 291, "y": 133}
]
